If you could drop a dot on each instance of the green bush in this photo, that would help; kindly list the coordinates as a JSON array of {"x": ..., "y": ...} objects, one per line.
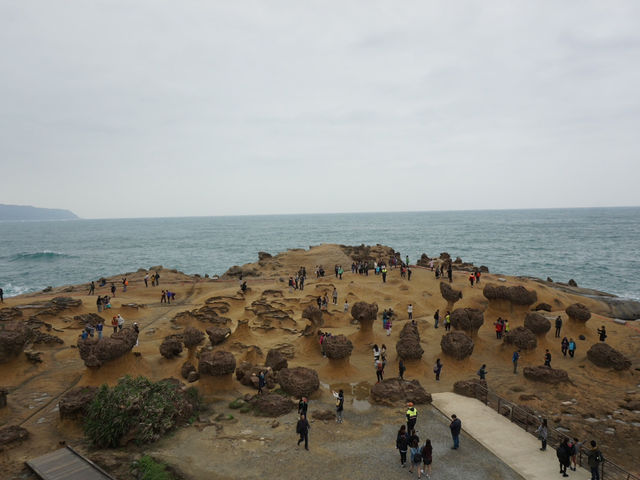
[
  {"x": 149, "y": 469},
  {"x": 137, "y": 408},
  {"x": 237, "y": 403}
]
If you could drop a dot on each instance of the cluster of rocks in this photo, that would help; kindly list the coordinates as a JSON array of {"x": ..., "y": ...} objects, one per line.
[
  {"x": 545, "y": 374},
  {"x": 517, "y": 295},
  {"x": 370, "y": 254},
  {"x": 408, "y": 346},
  {"x": 172, "y": 345},
  {"x": 457, "y": 345},
  {"x": 73, "y": 404},
  {"x": 457, "y": 264},
  {"x": 205, "y": 314},
  {"x": 95, "y": 352}
]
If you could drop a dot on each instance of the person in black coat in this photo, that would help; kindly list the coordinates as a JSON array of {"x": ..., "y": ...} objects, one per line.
[
  {"x": 563, "y": 453},
  {"x": 303, "y": 405},
  {"x": 455, "y": 426},
  {"x": 402, "y": 444},
  {"x": 302, "y": 429}
]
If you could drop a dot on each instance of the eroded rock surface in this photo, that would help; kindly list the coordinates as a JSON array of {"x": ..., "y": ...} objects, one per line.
[
  {"x": 408, "y": 346},
  {"x": 457, "y": 345},
  {"x": 546, "y": 374},
  {"x": 522, "y": 338},
  {"x": 605, "y": 356},
  {"x": 298, "y": 381},
  {"x": 394, "y": 391}
]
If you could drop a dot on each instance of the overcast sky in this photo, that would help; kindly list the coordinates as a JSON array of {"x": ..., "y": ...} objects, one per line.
[{"x": 179, "y": 108}]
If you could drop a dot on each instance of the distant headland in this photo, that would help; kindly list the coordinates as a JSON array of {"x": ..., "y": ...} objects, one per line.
[{"x": 24, "y": 212}]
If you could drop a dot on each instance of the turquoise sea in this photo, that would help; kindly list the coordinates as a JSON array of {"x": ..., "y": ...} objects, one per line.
[{"x": 598, "y": 247}]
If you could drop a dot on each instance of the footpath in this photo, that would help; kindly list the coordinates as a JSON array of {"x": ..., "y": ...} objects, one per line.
[{"x": 507, "y": 441}]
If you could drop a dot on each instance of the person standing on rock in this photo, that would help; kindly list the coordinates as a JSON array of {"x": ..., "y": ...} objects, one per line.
[
  {"x": 603, "y": 333},
  {"x": 339, "y": 405},
  {"x": 437, "y": 368},
  {"x": 450, "y": 273},
  {"x": 92, "y": 288},
  {"x": 455, "y": 426},
  {"x": 114, "y": 324},
  {"x": 412, "y": 417},
  {"x": 401, "y": 369},
  {"x": 410, "y": 311},
  {"x": 572, "y": 347},
  {"x": 558, "y": 326},
  {"x": 261, "y": 382},
  {"x": 564, "y": 346},
  {"x": 99, "y": 328},
  {"x": 379, "y": 370},
  {"x": 402, "y": 444},
  {"x": 436, "y": 318},
  {"x": 302, "y": 429},
  {"x": 547, "y": 358},
  {"x": 514, "y": 359},
  {"x": 543, "y": 434}
]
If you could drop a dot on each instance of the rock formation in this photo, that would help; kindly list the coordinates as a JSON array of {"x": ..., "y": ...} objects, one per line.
[
  {"x": 474, "y": 388},
  {"x": 394, "y": 391},
  {"x": 604, "y": 355},
  {"x": 10, "y": 314},
  {"x": 517, "y": 295},
  {"x": 298, "y": 381},
  {"x": 171, "y": 346},
  {"x": 365, "y": 313},
  {"x": 449, "y": 294},
  {"x": 89, "y": 319},
  {"x": 468, "y": 319},
  {"x": 218, "y": 335},
  {"x": 542, "y": 306},
  {"x": 457, "y": 345},
  {"x": 192, "y": 337},
  {"x": 408, "y": 346},
  {"x": 522, "y": 338},
  {"x": 276, "y": 360},
  {"x": 337, "y": 347},
  {"x": 314, "y": 315},
  {"x": 217, "y": 363},
  {"x": 186, "y": 369},
  {"x": 13, "y": 338},
  {"x": 271, "y": 405},
  {"x": 12, "y": 434},
  {"x": 95, "y": 352},
  {"x": 578, "y": 312},
  {"x": 74, "y": 403},
  {"x": 546, "y": 374},
  {"x": 247, "y": 374},
  {"x": 537, "y": 323}
]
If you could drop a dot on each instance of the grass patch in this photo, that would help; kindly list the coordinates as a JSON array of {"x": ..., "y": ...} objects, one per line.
[
  {"x": 237, "y": 403},
  {"x": 149, "y": 469}
]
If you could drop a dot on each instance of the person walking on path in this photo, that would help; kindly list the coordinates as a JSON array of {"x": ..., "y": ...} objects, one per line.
[
  {"x": 302, "y": 429},
  {"x": 482, "y": 373},
  {"x": 379, "y": 370},
  {"x": 472, "y": 278},
  {"x": 558, "y": 326},
  {"x": 547, "y": 358},
  {"x": 408, "y": 274},
  {"x": 594, "y": 459},
  {"x": 92, "y": 288},
  {"x": 384, "y": 274},
  {"x": 427, "y": 457},
  {"x": 416, "y": 458},
  {"x": 339, "y": 405},
  {"x": 572, "y": 347},
  {"x": 410, "y": 311},
  {"x": 543, "y": 434},
  {"x": 146, "y": 280},
  {"x": 514, "y": 359},
  {"x": 401, "y": 369},
  {"x": 335, "y": 296},
  {"x": 564, "y": 346},
  {"x": 603, "y": 333},
  {"x": 412, "y": 416},
  {"x": 576, "y": 446},
  {"x": 113, "y": 289},
  {"x": 436, "y": 318},
  {"x": 563, "y": 452},
  {"x": 455, "y": 426},
  {"x": 120, "y": 322},
  {"x": 99, "y": 328},
  {"x": 303, "y": 406},
  {"x": 437, "y": 368},
  {"x": 402, "y": 444},
  {"x": 114, "y": 324}
]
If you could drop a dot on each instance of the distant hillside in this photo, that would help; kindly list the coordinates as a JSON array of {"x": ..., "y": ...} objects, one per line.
[{"x": 23, "y": 212}]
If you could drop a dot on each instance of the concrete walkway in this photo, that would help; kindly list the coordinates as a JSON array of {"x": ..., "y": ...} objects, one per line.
[{"x": 507, "y": 441}]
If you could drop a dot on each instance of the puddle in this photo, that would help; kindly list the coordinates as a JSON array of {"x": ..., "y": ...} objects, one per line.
[{"x": 358, "y": 392}]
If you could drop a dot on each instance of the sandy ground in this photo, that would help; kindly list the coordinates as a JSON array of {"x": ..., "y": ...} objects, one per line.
[{"x": 35, "y": 389}]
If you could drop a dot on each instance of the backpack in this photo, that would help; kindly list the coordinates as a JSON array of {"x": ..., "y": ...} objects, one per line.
[
  {"x": 417, "y": 457},
  {"x": 435, "y": 369},
  {"x": 599, "y": 458}
]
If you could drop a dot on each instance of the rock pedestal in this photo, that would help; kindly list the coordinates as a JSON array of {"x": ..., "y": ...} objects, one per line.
[
  {"x": 408, "y": 346},
  {"x": 365, "y": 313}
]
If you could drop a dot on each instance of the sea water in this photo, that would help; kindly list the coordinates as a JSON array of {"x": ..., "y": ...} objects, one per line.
[{"x": 598, "y": 247}]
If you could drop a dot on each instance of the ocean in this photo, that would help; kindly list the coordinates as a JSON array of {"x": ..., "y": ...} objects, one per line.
[{"x": 598, "y": 247}]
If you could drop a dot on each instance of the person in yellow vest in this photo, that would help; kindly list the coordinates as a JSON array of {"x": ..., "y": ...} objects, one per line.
[{"x": 412, "y": 416}]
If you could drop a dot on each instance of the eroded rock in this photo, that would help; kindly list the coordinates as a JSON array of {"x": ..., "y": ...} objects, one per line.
[
  {"x": 337, "y": 347},
  {"x": 546, "y": 375},
  {"x": 271, "y": 404},
  {"x": 408, "y": 346},
  {"x": 298, "y": 381},
  {"x": 217, "y": 335},
  {"x": 394, "y": 391},
  {"x": 95, "y": 352},
  {"x": 522, "y": 338},
  {"x": 216, "y": 363},
  {"x": 365, "y": 313},
  {"x": 74, "y": 403},
  {"x": 537, "y": 323},
  {"x": 578, "y": 312},
  {"x": 518, "y": 295},
  {"x": 457, "y": 345},
  {"x": 605, "y": 356},
  {"x": 468, "y": 319}
]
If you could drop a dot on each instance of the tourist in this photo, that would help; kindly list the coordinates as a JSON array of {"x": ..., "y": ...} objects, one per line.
[
  {"x": 376, "y": 353},
  {"x": 99, "y": 303},
  {"x": 543, "y": 433},
  {"x": 499, "y": 326},
  {"x": 383, "y": 355},
  {"x": 169, "y": 297},
  {"x": 99, "y": 328},
  {"x": 243, "y": 286},
  {"x": 321, "y": 339},
  {"x": 450, "y": 273},
  {"x": 125, "y": 284},
  {"x": 477, "y": 277},
  {"x": 410, "y": 311},
  {"x": 603, "y": 333},
  {"x": 262, "y": 382},
  {"x": 412, "y": 417},
  {"x": 576, "y": 446},
  {"x": 594, "y": 459},
  {"x": 436, "y": 318},
  {"x": 339, "y": 405},
  {"x": 547, "y": 358},
  {"x": 113, "y": 289},
  {"x": 427, "y": 457},
  {"x": 301, "y": 283},
  {"x": 402, "y": 444},
  {"x": 319, "y": 302},
  {"x": 564, "y": 346},
  {"x": 408, "y": 274},
  {"x": 2, "y": 295},
  {"x": 146, "y": 280},
  {"x": 401, "y": 369},
  {"x": 303, "y": 406},
  {"x": 84, "y": 334},
  {"x": 447, "y": 321},
  {"x": 114, "y": 323},
  {"x": 506, "y": 328},
  {"x": 302, "y": 429},
  {"x": 572, "y": 347},
  {"x": 92, "y": 287},
  {"x": 384, "y": 274},
  {"x": 437, "y": 368},
  {"x": 563, "y": 452},
  {"x": 157, "y": 277},
  {"x": 325, "y": 301},
  {"x": 455, "y": 426},
  {"x": 346, "y": 306},
  {"x": 514, "y": 359},
  {"x": 558, "y": 326},
  {"x": 379, "y": 370},
  {"x": 388, "y": 325},
  {"x": 120, "y": 322},
  {"x": 482, "y": 373},
  {"x": 340, "y": 272},
  {"x": 472, "y": 278},
  {"x": 416, "y": 458},
  {"x": 163, "y": 298},
  {"x": 335, "y": 296},
  {"x": 431, "y": 264}
]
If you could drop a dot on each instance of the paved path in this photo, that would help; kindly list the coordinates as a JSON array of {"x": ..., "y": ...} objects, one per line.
[{"x": 507, "y": 441}]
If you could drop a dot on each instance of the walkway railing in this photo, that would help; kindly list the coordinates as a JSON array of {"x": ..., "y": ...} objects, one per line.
[{"x": 528, "y": 420}]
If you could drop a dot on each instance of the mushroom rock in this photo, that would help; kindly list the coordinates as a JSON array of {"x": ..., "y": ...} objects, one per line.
[
  {"x": 218, "y": 335},
  {"x": 424, "y": 260},
  {"x": 604, "y": 355},
  {"x": 457, "y": 345},
  {"x": 216, "y": 363},
  {"x": 337, "y": 347},
  {"x": 449, "y": 294},
  {"x": 546, "y": 375},
  {"x": 192, "y": 337},
  {"x": 271, "y": 405},
  {"x": 74, "y": 403},
  {"x": 95, "y": 352},
  {"x": 408, "y": 346},
  {"x": 518, "y": 295},
  {"x": 314, "y": 315},
  {"x": 578, "y": 312},
  {"x": 365, "y": 313},
  {"x": 394, "y": 391},
  {"x": 522, "y": 338},
  {"x": 472, "y": 387},
  {"x": 298, "y": 381},
  {"x": 276, "y": 360},
  {"x": 13, "y": 338},
  {"x": 186, "y": 369},
  {"x": 468, "y": 319},
  {"x": 12, "y": 434},
  {"x": 171, "y": 346},
  {"x": 537, "y": 323},
  {"x": 572, "y": 283}
]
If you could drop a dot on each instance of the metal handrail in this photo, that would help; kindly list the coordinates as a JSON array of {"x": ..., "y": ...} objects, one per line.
[{"x": 525, "y": 419}]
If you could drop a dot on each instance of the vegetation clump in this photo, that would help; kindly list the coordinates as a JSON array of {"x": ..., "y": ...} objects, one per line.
[{"x": 148, "y": 469}]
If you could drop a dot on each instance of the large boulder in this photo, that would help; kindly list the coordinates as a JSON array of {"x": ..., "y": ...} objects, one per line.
[
  {"x": 522, "y": 338},
  {"x": 12, "y": 434},
  {"x": 298, "y": 381},
  {"x": 578, "y": 312},
  {"x": 365, "y": 313},
  {"x": 217, "y": 363},
  {"x": 546, "y": 375},
  {"x": 218, "y": 335},
  {"x": 450, "y": 294},
  {"x": 457, "y": 345},
  {"x": 186, "y": 369},
  {"x": 171, "y": 346},
  {"x": 394, "y": 391},
  {"x": 468, "y": 319},
  {"x": 337, "y": 347},
  {"x": 192, "y": 337},
  {"x": 74, "y": 403},
  {"x": 247, "y": 374},
  {"x": 604, "y": 355},
  {"x": 271, "y": 405},
  {"x": 276, "y": 360},
  {"x": 314, "y": 315},
  {"x": 13, "y": 338},
  {"x": 408, "y": 346},
  {"x": 473, "y": 387},
  {"x": 96, "y": 352},
  {"x": 537, "y": 323},
  {"x": 518, "y": 295}
]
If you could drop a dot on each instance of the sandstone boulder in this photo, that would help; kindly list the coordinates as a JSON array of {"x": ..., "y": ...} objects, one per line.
[
  {"x": 74, "y": 403},
  {"x": 337, "y": 347},
  {"x": 572, "y": 283},
  {"x": 186, "y": 369},
  {"x": 218, "y": 335},
  {"x": 314, "y": 315},
  {"x": 578, "y": 312},
  {"x": 468, "y": 319},
  {"x": 95, "y": 352},
  {"x": 247, "y": 374},
  {"x": 395, "y": 391},
  {"x": 192, "y": 337},
  {"x": 298, "y": 381},
  {"x": 365, "y": 313},
  {"x": 12, "y": 434},
  {"x": 546, "y": 375},
  {"x": 217, "y": 363},
  {"x": 605, "y": 356},
  {"x": 474, "y": 388},
  {"x": 537, "y": 323},
  {"x": 171, "y": 346},
  {"x": 264, "y": 256},
  {"x": 542, "y": 306},
  {"x": 522, "y": 338},
  {"x": 276, "y": 360},
  {"x": 13, "y": 338},
  {"x": 408, "y": 346},
  {"x": 449, "y": 294},
  {"x": 271, "y": 405},
  {"x": 457, "y": 345},
  {"x": 518, "y": 295}
]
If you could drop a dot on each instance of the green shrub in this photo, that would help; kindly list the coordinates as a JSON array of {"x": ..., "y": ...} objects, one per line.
[
  {"x": 149, "y": 469},
  {"x": 237, "y": 403}
]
